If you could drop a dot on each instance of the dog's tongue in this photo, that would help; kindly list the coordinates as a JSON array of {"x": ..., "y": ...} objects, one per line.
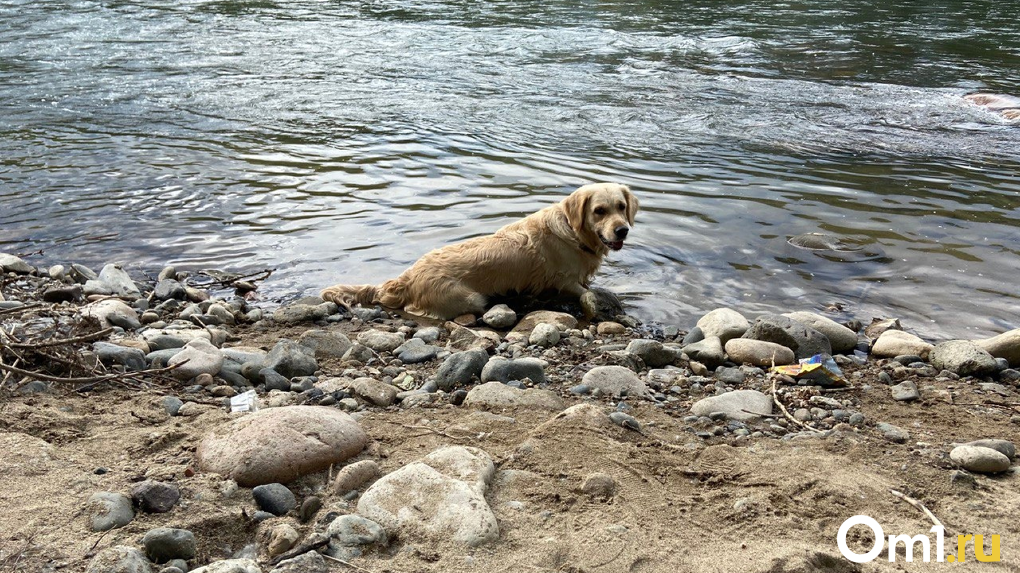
[{"x": 615, "y": 245}]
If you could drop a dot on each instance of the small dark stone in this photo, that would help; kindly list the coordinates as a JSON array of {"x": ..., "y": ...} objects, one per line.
[
  {"x": 155, "y": 497},
  {"x": 274, "y": 380},
  {"x": 62, "y": 294},
  {"x": 100, "y": 471},
  {"x": 695, "y": 335},
  {"x": 457, "y": 397},
  {"x": 163, "y": 544},
  {"x": 309, "y": 508},
  {"x": 274, "y": 498}
]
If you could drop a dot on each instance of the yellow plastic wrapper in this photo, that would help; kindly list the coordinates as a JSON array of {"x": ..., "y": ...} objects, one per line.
[{"x": 820, "y": 368}]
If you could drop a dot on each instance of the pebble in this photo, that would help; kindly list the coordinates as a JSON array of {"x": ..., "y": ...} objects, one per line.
[
  {"x": 119, "y": 559},
  {"x": 310, "y": 562},
  {"x": 373, "y": 391},
  {"x": 625, "y": 420},
  {"x": 415, "y": 351},
  {"x": 892, "y": 343},
  {"x": 460, "y": 368},
  {"x": 1004, "y": 447},
  {"x": 109, "y": 510},
  {"x": 359, "y": 353},
  {"x": 499, "y": 395},
  {"x": 155, "y": 497},
  {"x": 165, "y": 543},
  {"x": 894, "y": 434},
  {"x": 615, "y": 380},
  {"x": 979, "y": 459},
  {"x": 758, "y": 352},
  {"x": 201, "y": 357},
  {"x": 129, "y": 358},
  {"x": 841, "y": 338},
  {"x": 708, "y": 352},
  {"x": 309, "y": 507},
  {"x": 60, "y": 294},
  {"x": 963, "y": 357},
  {"x": 652, "y": 352},
  {"x": 355, "y": 530},
  {"x": 428, "y": 334},
  {"x": 740, "y": 405},
  {"x": 282, "y": 538},
  {"x": 274, "y": 380},
  {"x": 13, "y": 264},
  {"x": 599, "y": 485},
  {"x": 299, "y": 312},
  {"x": 118, "y": 282},
  {"x": 544, "y": 335},
  {"x": 500, "y": 317},
  {"x": 275, "y": 498},
  {"x": 291, "y": 359},
  {"x": 169, "y": 289},
  {"x": 730, "y": 376},
  {"x": 500, "y": 369},
  {"x": 381, "y": 341},
  {"x": 802, "y": 339},
  {"x": 722, "y": 323},
  {"x": 905, "y": 391},
  {"x": 611, "y": 328},
  {"x": 230, "y": 566}
]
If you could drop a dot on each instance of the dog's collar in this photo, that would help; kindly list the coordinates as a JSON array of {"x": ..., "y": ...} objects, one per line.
[{"x": 584, "y": 248}]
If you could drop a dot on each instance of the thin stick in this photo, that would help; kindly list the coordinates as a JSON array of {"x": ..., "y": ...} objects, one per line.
[
  {"x": 918, "y": 505},
  {"x": 346, "y": 563},
  {"x": 86, "y": 379},
  {"x": 775, "y": 398},
  {"x": 58, "y": 342},
  {"x": 19, "y": 308}
]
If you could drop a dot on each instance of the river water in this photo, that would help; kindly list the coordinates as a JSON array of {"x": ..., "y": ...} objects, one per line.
[{"x": 339, "y": 141}]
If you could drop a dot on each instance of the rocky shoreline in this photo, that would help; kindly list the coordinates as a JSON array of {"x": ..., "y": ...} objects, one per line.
[{"x": 314, "y": 486}]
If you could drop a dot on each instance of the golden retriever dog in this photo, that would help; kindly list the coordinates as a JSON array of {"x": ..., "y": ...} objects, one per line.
[{"x": 556, "y": 249}]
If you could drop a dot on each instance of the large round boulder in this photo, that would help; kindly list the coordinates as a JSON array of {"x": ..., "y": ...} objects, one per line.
[{"x": 281, "y": 444}]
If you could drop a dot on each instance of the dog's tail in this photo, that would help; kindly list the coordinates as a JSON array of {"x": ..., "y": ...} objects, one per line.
[{"x": 389, "y": 294}]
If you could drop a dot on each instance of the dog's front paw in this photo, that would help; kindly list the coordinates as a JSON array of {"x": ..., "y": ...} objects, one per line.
[{"x": 589, "y": 304}]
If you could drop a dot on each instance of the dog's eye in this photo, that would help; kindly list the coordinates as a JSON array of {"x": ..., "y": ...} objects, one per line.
[
  {"x": 600, "y": 210},
  {"x": 621, "y": 206}
]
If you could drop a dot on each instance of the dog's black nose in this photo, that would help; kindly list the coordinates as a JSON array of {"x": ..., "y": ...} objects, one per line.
[{"x": 621, "y": 232}]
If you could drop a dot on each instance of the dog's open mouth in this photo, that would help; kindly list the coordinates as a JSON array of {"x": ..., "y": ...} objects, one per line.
[{"x": 615, "y": 245}]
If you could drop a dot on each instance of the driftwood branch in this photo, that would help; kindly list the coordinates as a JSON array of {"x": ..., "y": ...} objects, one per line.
[{"x": 918, "y": 505}]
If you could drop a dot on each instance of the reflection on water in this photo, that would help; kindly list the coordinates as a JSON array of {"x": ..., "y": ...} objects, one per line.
[{"x": 340, "y": 141}]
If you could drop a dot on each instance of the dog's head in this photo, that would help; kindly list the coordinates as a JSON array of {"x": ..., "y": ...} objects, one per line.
[{"x": 601, "y": 215}]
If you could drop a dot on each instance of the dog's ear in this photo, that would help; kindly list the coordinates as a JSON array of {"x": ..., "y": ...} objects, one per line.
[
  {"x": 575, "y": 207},
  {"x": 632, "y": 204}
]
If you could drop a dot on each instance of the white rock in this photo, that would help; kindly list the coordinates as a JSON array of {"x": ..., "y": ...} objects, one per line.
[
  {"x": 500, "y": 316},
  {"x": 979, "y": 459},
  {"x": 441, "y": 498},
  {"x": 758, "y": 352},
  {"x": 103, "y": 309},
  {"x": 201, "y": 357},
  {"x": 724, "y": 323},
  {"x": 499, "y": 395},
  {"x": 894, "y": 343},
  {"x": 544, "y": 334},
  {"x": 615, "y": 380},
  {"x": 230, "y": 566},
  {"x": 736, "y": 405},
  {"x": 119, "y": 282}
]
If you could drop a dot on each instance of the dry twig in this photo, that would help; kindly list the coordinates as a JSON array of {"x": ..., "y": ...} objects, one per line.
[
  {"x": 775, "y": 398},
  {"x": 920, "y": 506}
]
